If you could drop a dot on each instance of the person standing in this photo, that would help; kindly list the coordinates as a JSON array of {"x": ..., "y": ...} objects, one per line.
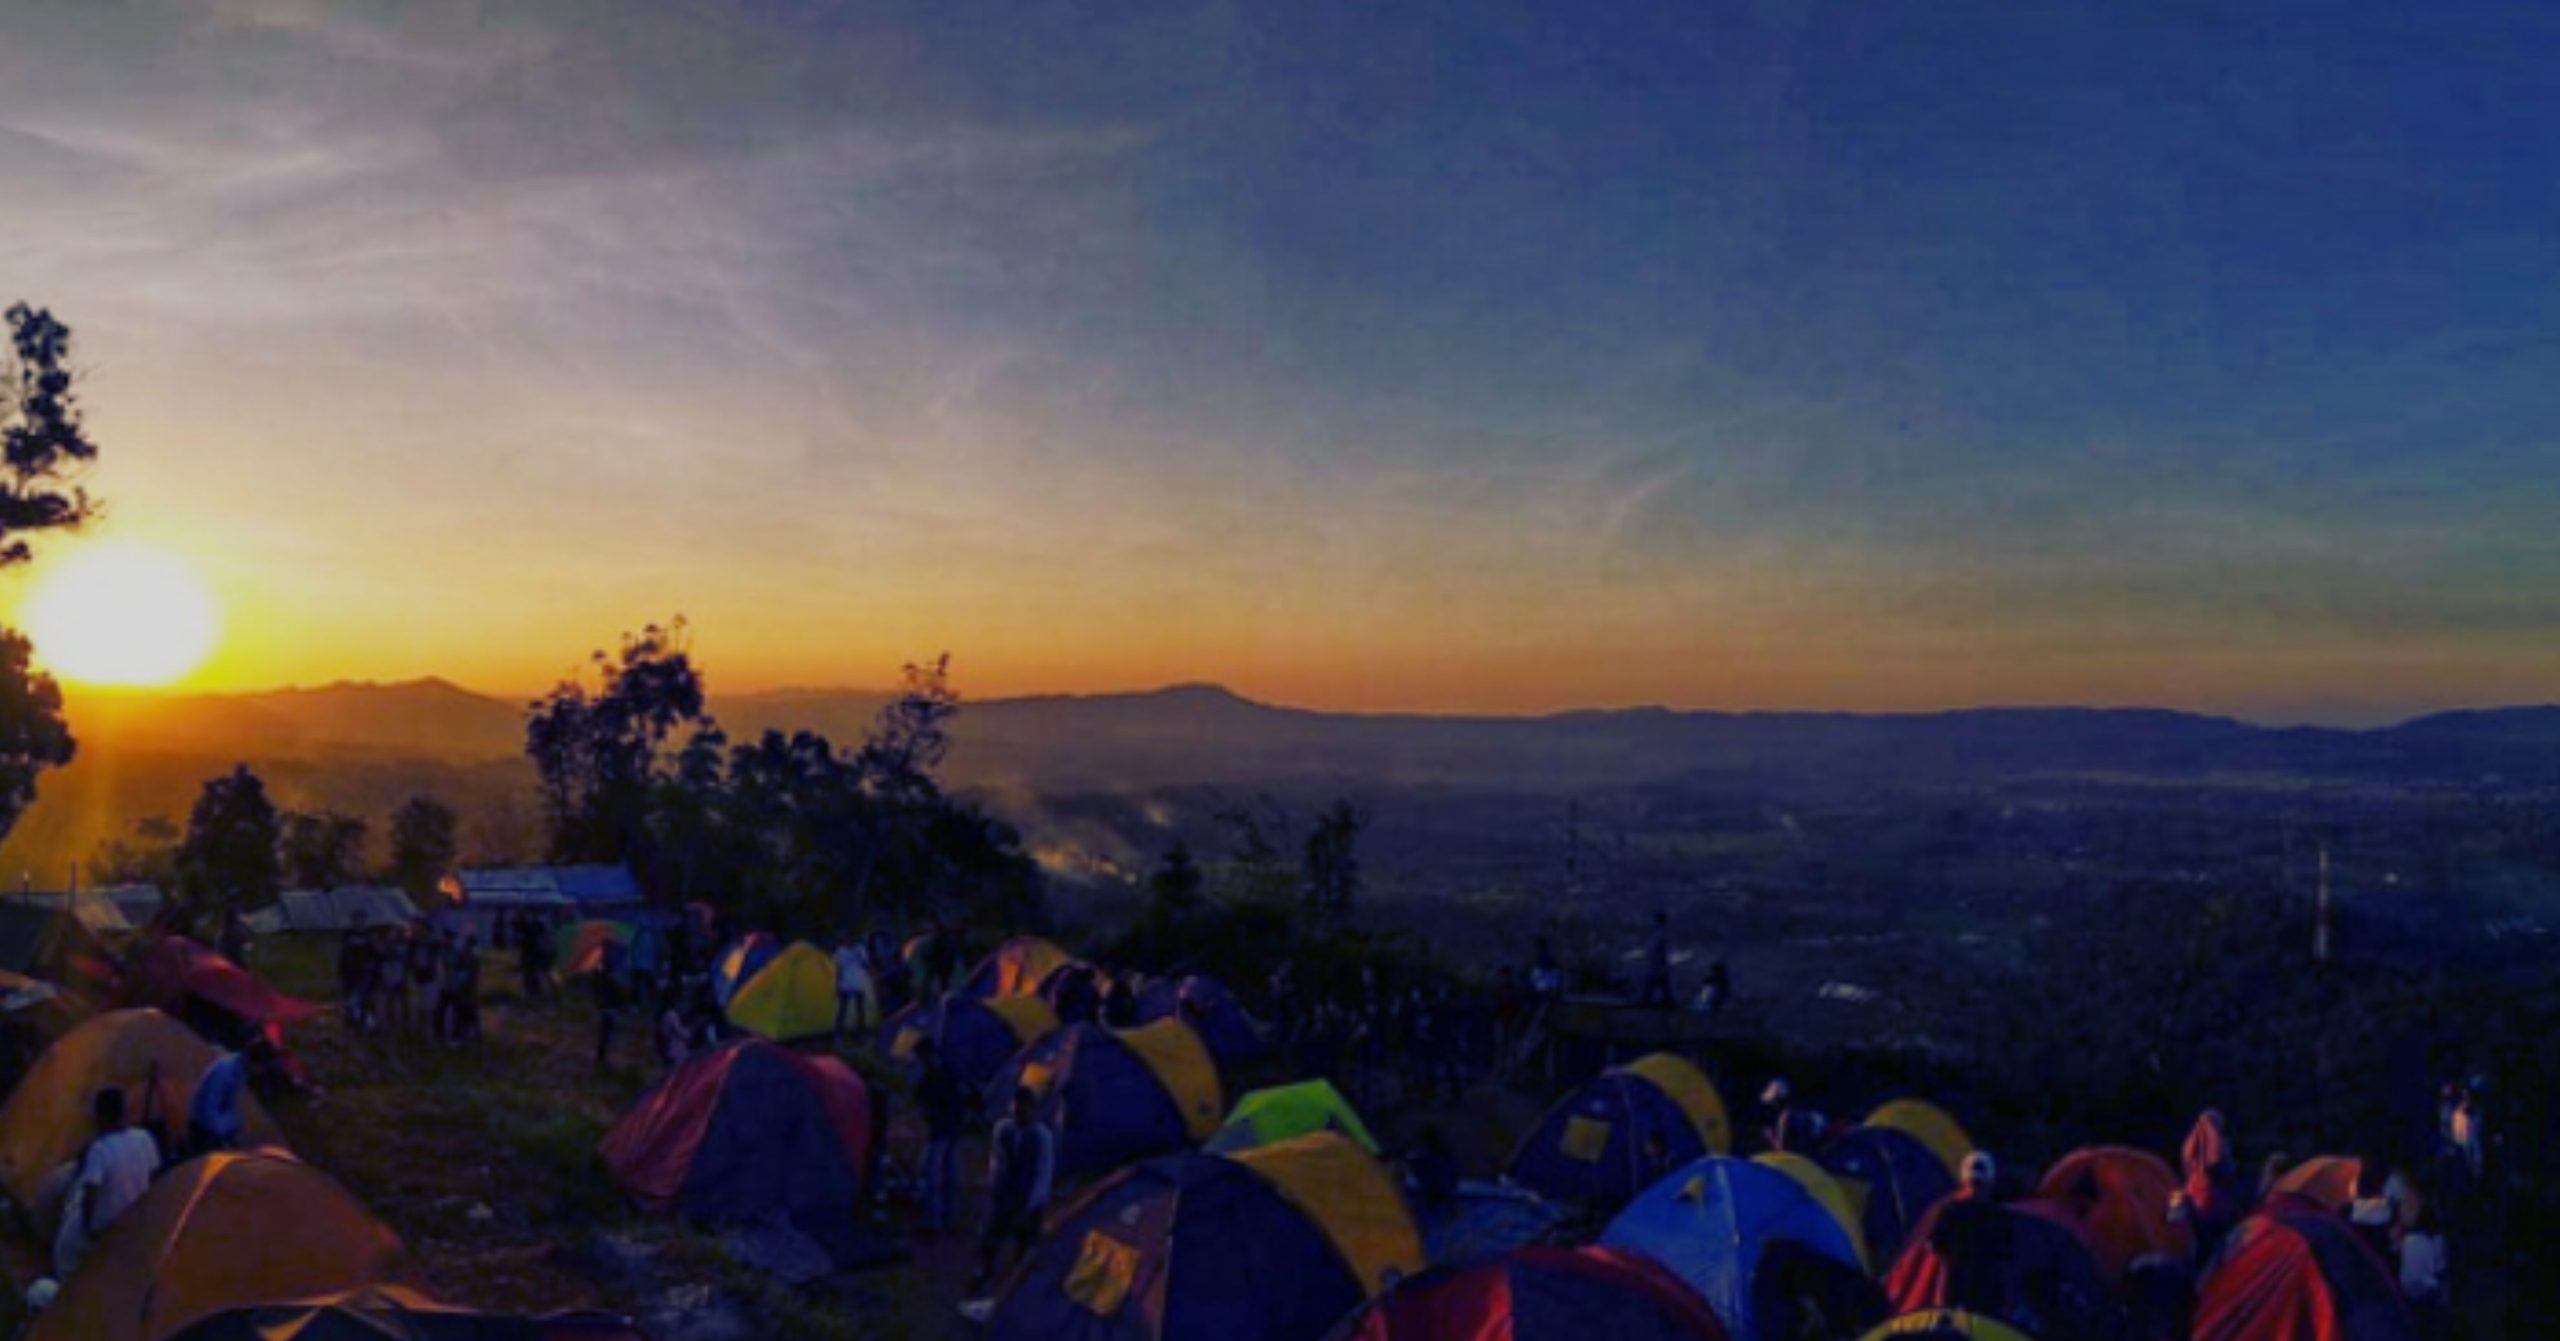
[
  {"x": 1021, "y": 1162},
  {"x": 853, "y": 986},
  {"x": 608, "y": 1005},
  {"x": 944, "y": 1103},
  {"x": 1657, "y": 964}
]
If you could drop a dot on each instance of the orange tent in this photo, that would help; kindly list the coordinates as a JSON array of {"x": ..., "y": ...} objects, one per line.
[
  {"x": 46, "y": 1121},
  {"x": 217, "y": 1233},
  {"x": 2119, "y": 1198}
]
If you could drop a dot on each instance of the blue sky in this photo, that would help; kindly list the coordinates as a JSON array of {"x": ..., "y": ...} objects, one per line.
[{"x": 1484, "y": 356}]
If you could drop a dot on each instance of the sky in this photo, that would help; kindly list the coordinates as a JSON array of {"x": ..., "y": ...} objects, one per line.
[{"x": 1484, "y": 357}]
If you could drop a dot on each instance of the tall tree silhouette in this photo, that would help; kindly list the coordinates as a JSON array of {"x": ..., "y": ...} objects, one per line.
[
  {"x": 1333, "y": 859},
  {"x": 602, "y": 751},
  {"x": 229, "y": 859},
  {"x": 425, "y": 839},
  {"x": 322, "y": 850},
  {"x": 43, "y": 446}
]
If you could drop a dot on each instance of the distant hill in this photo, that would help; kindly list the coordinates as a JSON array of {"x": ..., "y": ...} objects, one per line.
[{"x": 362, "y": 747}]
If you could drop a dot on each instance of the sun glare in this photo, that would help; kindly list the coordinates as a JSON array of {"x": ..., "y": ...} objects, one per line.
[{"x": 120, "y": 614}]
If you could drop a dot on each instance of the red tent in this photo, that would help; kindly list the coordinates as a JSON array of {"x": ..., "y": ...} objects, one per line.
[
  {"x": 173, "y": 968},
  {"x": 2296, "y": 1272},
  {"x": 745, "y": 1132},
  {"x": 1531, "y": 1294},
  {"x": 2023, "y": 1262},
  {"x": 2119, "y": 1198}
]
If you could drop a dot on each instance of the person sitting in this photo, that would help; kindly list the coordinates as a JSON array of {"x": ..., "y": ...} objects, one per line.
[{"x": 113, "y": 1173}]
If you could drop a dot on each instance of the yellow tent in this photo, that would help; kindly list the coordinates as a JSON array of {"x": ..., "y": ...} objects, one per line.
[
  {"x": 46, "y": 1121},
  {"x": 1815, "y": 1179},
  {"x": 1928, "y": 1124},
  {"x": 1351, "y": 1197},
  {"x": 1017, "y": 968},
  {"x": 793, "y": 996},
  {"x": 1689, "y": 1087},
  {"x": 1182, "y": 1064},
  {"x": 1947, "y": 1322},
  {"x": 220, "y": 1232}
]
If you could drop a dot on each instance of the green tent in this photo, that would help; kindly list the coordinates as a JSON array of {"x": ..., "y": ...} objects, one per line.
[{"x": 1286, "y": 1112}]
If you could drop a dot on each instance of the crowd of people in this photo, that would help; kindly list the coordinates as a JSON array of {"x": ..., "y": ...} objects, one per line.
[{"x": 411, "y": 979}]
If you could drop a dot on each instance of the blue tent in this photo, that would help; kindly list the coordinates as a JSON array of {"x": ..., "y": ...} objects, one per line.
[
  {"x": 976, "y": 1035},
  {"x": 1115, "y": 1095},
  {"x": 1590, "y": 1147},
  {"x": 1276, "y": 1244},
  {"x": 1727, "y": 1226},
  {"x": 1892, "y": 1178},
  {"x": 740, "y": 962},
  {"x": 745, "y": 1133},
  {"x": 1206, "y": 1005}
]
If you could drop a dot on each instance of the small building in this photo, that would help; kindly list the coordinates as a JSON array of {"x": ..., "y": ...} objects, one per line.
[
  {"x": 479, "y": 895},
  {"x": 342, "y": 908}
]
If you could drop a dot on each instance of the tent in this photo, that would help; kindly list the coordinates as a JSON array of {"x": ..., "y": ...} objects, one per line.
[
  {"x": 1590, "y": 1147},
  {"x": 153, "y": 1058},
  {"x": 1114, "y": 1095},
  {"x": 1276, "y": 1244},
  {"x": 1286, "y": 1112},
  {"x": 1572, "y": 1294},
  {"x": 2327, "y": 1179},
  {"x": 1945, "y": 1324},
  {"x": 1825, "y": 1189},
  {"x": 1931, "y": 1125},
  {"x": 2023, "y": 1262},
  {"x": 1753, "y": 1243},
  {"x": 740, "y": 961},
  {"x": 314, "y": 910},
  {"x": 746, "y": 1132},
  {"x": 976, "y": 1035},
  {"x": 792, "y": 996},
  {"x": 2295, "y": 1271},
  {"x": 220, "y": 1232},
  {"x": 2119, "y": 1197},
  {"x": 1205, "y": 1004},
  {"x": 395, "y": 1313},
  {"x": 51, "y": 944},
  {"x": 596, "y": 945},
  {"x": 1019, "y": 967},
  {"x": 1891, "y": 1177},
  {"x": 173, "y": 969}
]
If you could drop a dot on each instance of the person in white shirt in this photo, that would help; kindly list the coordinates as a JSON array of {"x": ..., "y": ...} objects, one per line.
[
  {"x": 853, "y": 986},
  {"x": 113, "y": 1174}
]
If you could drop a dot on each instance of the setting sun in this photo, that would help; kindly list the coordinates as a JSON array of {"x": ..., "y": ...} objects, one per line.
[{"x": 120, "y": 614}]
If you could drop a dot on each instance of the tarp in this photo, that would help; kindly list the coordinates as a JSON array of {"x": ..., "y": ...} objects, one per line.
[
  {"x": 2119, "y": 1197},
  {"x": 1538, "y": 1294},
  {"x": 975, "y": 1035},
  {"x": 1285, "y": 1112},
  {"x": 173, "y": 968},
  {"x": 1825, "y": 1189},
  {"x": 1113, "y": 1096},
  {"x": 1018, "y": 967},
  {"x": 1206, "y": 1005},
  {"x": 748, "y": 1131},
  {"x": 1931, "y": 1124},
  {"x": 1719, "y": 1223},
  {"x": 220, "y": 1232},
  {"x": 793, "y": 996},
  {"x": 1945, "y": 1324},
  {"x": 393, "y": 1313},
  {"x": 46, "y": 1121},
  {"x": 1891, "y": 1177},
  {"x": 1276, "y": 1245},
  {"x": 1590, "y": 1147},
  {"x": 740, "y": 961},
  {"x": 2295, "y": 1271},
  {"x": 2022, "y": 1262}
]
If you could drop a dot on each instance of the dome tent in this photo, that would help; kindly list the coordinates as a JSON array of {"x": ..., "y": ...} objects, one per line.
[
  {"x": 1891, "y": 1177},
  {"x": 793, "y": 996},
  {"x": 1019, "y": 967},
  {"x": 220, "y": 1232},
  {"x": 1206, "y": 1005},
  {"x": 2023, "y": 1262},
  {"x": 2119, "y": 1199},
  {"x": 1590, "y": 1147},
  {"x": 975, "y": 1035},
  {"x": 1750, "y": 1240},
  {"x": 1928, "y": 1124},
  {"x": 153, "y": 1058},
  {"x": 1537, "y": 1293},
  {"x": 394, "y": 1313},
  {"x": 1276, "y": 1244},
  {"x": 1285, "y": 1112},
  {"x": 740, "y": 962},
  {"x": 1115, "y": 1095},
  {"x": 746, "y": 1132},
  {"x": 2295, "y": 1271}
]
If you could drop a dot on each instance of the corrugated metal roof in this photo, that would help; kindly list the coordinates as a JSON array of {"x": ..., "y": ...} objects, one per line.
[{"x": 590, "y": 886}]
